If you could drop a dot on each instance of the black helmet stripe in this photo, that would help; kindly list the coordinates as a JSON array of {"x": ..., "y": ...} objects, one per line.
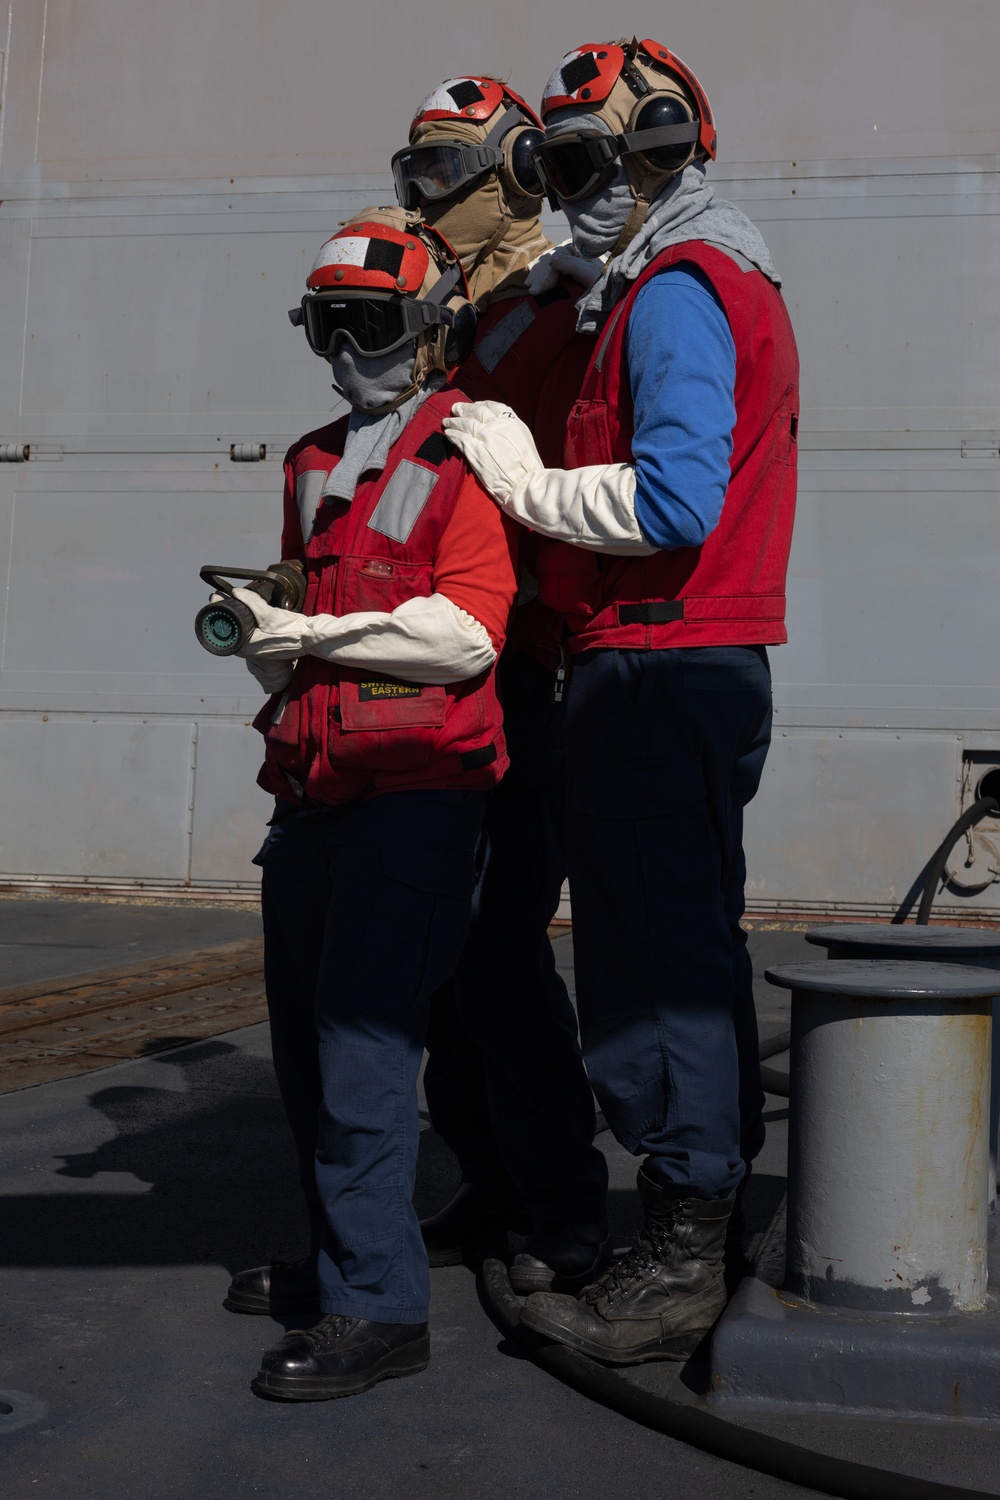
[{"x": 383, "y": 255}]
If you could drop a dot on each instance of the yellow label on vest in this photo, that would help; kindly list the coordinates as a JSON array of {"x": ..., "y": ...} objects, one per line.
[{"x": 369, "y": 692}]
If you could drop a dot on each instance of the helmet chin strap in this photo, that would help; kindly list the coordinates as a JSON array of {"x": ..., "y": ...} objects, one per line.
[
  {"x": 422, "y": 367},
  {"x": 643, "y": 193},
  {"x": 389, "y": 406},
  {"x": 633, "y": 224},
  {"x": 495, "y": 239}
]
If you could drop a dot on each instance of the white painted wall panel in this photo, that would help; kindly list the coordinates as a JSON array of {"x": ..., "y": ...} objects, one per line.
[
  {"x": 94, "y": 799},
  {"x": 166, "y": 178},
  {"x": 848, "y": 817},
  {"x": 231, "y": 811}
]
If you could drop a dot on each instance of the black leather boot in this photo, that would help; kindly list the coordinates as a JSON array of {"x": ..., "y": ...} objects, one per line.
[
  {"x": 279, "y": 1288},
  {"x": 560, "y": 1258},
  {"x": 463, "y": 1229},
  {"x": 660, "y": 1300},
  {"x": 341, "y": 1356}
]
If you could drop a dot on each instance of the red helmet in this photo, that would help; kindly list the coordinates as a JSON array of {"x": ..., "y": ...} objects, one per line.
[
  {"x": 469, "y": 98},
  {"x": 383, "y": 280},
  {"x": 466, "y": 128},
  {"x": 657, "y": 111},
  {"x": 377, "y": 257}
]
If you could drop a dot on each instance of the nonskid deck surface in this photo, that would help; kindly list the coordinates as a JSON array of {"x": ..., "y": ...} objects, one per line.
[{"x": 128, "y": 1197}]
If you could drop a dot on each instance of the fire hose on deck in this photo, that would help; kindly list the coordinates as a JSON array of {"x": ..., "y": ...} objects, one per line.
[{"x": 824, "y": 1473}]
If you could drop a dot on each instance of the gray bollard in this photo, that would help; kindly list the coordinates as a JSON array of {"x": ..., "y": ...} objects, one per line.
[
  {"x": 952, "y": 945},
  {"x": 888, "y": 1134}
]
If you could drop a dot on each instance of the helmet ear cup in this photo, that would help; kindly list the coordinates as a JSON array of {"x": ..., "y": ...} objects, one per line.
[
  {"x": 460, "y": 336},
  {"x": 655, "y": 111},
  {"x": 521, "y": 173}
]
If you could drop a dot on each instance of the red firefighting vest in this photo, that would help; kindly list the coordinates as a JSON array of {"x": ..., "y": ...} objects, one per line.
[
  {"x": 337, "y": 733},
  {"x": 730, "y": 590},
  {"x": 529, "y": 355}
]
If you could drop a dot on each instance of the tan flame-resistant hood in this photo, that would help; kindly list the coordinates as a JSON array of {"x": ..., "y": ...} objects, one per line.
[
  {"x": 496, "y": 237},
  {"x": 617, "y": 110}
]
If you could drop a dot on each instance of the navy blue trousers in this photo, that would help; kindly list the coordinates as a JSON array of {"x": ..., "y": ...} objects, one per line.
[
  {"x": 505, "y": 1082},
  {"x": 365, "y": 913},
  {"x": 666, "y": 748}
]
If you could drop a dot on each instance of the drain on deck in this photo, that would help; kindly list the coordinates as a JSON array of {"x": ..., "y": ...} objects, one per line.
[
  {"x": 17, "y": 1409},
  {"x": 59, "y": 1028}
]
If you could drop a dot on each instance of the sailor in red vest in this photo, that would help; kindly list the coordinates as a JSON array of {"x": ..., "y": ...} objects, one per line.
[
  {"x": 518, "y": 1113},
  {"x": 676, "y": 501},
  {"x": 383, "y": 738}
]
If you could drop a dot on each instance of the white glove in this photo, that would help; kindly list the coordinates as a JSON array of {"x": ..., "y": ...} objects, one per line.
[
  {"x": 591, "y": 507},
  {"x": 427, "y": 640},
  {"x": 280, "y": 635},
  {"x": 561, "y": 260},
  {"x": 273, "y": 676},
  {"x": 494, "y": 442}
]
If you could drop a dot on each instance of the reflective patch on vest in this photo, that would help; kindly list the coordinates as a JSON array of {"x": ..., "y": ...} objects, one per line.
[
  {"x": 279, "y": 712},
  {"x": 503, "y": 336},
  {"x": 308, "y": 491},
  {"x": 403, "y": 498},
  {"x": 605, "y": 341},
  {"x": 379, "y": 690},
  {"x": 734, "y": 255}
]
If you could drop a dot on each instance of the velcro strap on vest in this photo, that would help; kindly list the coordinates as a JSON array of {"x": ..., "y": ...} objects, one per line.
[
  {"x": 657, "y": 612},
  {"x": 704, "y": 607},
  {"x": 474, "y": 760},
  {"x": 735, "y": 607}
]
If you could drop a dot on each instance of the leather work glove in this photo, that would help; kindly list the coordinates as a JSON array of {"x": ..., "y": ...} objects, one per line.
[
  {"x": 561, "y": 260},
  {"x": 591, "y": 507},
  {"x": 495, "y": 443}
]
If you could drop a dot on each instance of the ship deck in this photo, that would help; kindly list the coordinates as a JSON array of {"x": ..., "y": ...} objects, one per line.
[{"x": 132, "y": 1189}]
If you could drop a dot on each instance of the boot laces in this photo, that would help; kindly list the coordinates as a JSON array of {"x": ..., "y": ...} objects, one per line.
[
  {"x": 645, "y": 1255},
  {"x": 332, "y": 1326}
]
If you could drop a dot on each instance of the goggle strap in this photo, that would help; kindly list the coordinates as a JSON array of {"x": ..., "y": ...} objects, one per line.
[
  {"x": 510, "y": 116},
  {"x": 663, "y": 135},
  {"x": 445, "y": 285}
]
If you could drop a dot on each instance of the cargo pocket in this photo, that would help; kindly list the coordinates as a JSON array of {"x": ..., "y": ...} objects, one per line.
[
  {"x": 439, "y": 871},
  {"x": 627, "y": 791}
]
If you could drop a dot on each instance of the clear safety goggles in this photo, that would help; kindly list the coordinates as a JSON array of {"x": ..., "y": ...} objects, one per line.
[
  {"x": 579, "y": 165},
  {"x": 374, "y": 322},
  {"x": 438, "y": 171}
]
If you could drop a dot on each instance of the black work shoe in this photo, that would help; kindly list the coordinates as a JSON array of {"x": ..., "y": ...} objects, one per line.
[
  {"x": 280, "y": 1288},
  {"x": 659, "y": 1300},
  {"x": 465, "y": 1227},
  {"x": 560, "y": 1258},
  {"x": 341, "y": 1357}
]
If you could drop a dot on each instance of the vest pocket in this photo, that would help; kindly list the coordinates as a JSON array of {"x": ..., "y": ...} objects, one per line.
[
  {"x": 382, "y": 583},
  {"x": 381, "y": 725},
  {"x": 588, "y": 440},
  {"x": 377, "y": 703}
]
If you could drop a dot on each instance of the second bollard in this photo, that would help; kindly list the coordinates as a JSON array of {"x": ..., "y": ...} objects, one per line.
[{"x": 888, "y": 1134}]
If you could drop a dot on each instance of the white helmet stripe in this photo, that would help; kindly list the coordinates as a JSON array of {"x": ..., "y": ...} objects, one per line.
[
  {"x": 443, "y": 99},
  {"x": 348, "y": 250},
  {"x": 556, "y": 85}
]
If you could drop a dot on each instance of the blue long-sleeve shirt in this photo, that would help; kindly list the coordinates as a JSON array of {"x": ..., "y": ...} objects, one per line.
[{"x": 682, "y": 371}]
